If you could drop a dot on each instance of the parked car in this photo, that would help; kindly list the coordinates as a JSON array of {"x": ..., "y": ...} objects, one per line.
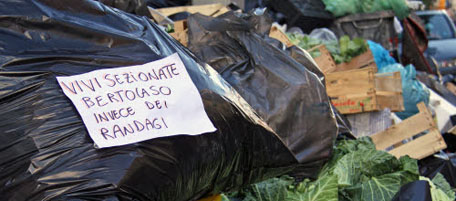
[{"x": 441, "y": 33}]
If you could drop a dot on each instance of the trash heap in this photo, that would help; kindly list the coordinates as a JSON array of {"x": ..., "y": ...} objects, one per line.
[{"x": 243, "y": 101}]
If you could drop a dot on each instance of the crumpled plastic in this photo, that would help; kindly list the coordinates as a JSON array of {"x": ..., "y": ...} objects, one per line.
[
  {"x": 381, "y": 55},
  {"x": 413, "y": 91},
  {"x": 446, "y": 165},
  {"x": 346, "y": 7},
  {"x": 414, "y": 191},
  {"x": 46, "y": 152},
  {"x": 283, "y": 92},
  {"x": 166, "y": 3},
  {"x": 323, "y": 34},
  {"x": 137, "y": 7}
]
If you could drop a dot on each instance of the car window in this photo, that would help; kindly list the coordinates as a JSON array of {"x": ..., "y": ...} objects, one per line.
[{"x": 437, "y": 27}]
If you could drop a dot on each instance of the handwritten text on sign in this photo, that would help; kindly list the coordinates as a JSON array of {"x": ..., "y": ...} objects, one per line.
[{"x": 131, "y": 104}]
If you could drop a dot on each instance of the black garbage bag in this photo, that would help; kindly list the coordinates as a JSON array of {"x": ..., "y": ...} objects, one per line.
[
  {"x": 430, "y": 166},
  {"x": 137, "y": 7},
  {"x": 414, "y": 191},
  {"x": 166, "y": 3},
  {"x": 305, "y": 14},
  {"x": 343, "y": 125},
  {"x": 450, "y": 139},
  {"x": 290, "y": 98},
  {"x": 47, "y": 154},
  {"x": 298, "y": 54},
  {"x": 431, "y": 82}
]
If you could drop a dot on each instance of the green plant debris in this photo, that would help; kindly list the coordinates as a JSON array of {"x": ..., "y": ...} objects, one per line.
[
  {"x": 356, "y": 172},
  {"x": 342, "y": 51}
]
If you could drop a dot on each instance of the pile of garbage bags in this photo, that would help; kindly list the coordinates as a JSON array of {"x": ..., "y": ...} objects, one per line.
[{"x": 47, "y": 154}]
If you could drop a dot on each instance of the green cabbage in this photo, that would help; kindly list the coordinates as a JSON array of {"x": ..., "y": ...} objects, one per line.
[
  {"x": 356, "y": 172},
  {"x": 440, "y": 189}
]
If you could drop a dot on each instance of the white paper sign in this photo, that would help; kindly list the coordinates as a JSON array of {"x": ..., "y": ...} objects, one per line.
[{"x": 131, "y": 104}]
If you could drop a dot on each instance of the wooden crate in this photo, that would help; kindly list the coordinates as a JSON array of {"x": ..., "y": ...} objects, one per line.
[
  {"x": 418, "y": 148},
  {"x": 364, "y": 90},
  {"x": 181, "y": 33},
  {"x": 181, "y": 36},
  {"x": 279, "y": 35},
  {"x": 213, "y": 10},
  {"x": 325, "y": 61},
  {"x": 327, "y": 64},
  {"x": 180, "y": 27},
  {"x": 364, "y": 60}
]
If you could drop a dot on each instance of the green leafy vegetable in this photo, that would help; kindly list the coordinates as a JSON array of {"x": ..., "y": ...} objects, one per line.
[
  {"x": 370, "y": 175},
  {"x": 323, "y": 189},
  {"x": 351, "y": 48},
  {"x": 440, "y": 189},
  {"x": 225, "y": 198},
  {"x": 441, "y": 183},
  {"x": 342, "y": 51},
  {"x": 356, "y": 172},
  {"x": 169, "y": 28},
  {"x": 274, "y": 190}
]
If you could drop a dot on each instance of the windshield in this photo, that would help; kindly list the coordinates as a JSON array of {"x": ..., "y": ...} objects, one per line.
[{"x": 437, "y": 27}]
